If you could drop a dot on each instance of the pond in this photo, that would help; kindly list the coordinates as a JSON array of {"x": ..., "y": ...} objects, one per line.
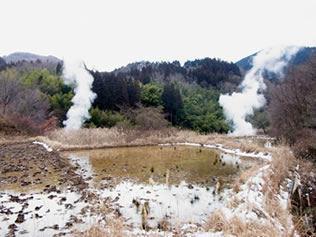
[{"x": 154, "y": 186}]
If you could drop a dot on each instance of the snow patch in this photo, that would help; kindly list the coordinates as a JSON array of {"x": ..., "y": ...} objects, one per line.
[
  {"x": 49, "y": 149},
  {"x": 237, "y": 152}
]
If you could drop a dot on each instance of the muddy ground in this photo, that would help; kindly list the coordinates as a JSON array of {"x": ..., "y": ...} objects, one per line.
[
  {"x": 27, "y": 164},
  {"x": 29, "y": 175}
]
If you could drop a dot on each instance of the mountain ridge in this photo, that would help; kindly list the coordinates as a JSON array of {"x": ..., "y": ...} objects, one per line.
[{"x": 26, "y": 56}]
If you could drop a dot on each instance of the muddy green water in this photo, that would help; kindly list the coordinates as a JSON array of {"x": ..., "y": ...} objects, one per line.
[{"x": 159, "y": 164}]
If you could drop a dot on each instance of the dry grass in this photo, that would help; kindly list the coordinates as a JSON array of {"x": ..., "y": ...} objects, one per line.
[
  {"x": 282, "y": 164},
  {"x": 280, "y": 168},
  {"x": 115, "y": 137},
  {"x": 113, "y": 228},
  {"x": 244, "y": 177},
  {"x": 237, "y": 227}
]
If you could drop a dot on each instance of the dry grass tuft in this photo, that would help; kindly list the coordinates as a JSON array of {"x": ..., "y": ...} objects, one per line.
[
  {"x": 282, "y": 164},
  {"x": 217, "y": 222},
  {"x": 112, "y": 228},
  {"x": 244, "y": 177}
]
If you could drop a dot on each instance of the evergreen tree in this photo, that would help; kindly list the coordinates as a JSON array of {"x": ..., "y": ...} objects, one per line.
[{"x": 172, "y": 102}]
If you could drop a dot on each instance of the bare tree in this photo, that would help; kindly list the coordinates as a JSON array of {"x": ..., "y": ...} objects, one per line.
[
  {"x": 9, "y": 89},
  {"x": 292, "y": 108},
  {"x": 32, "y": 105}
]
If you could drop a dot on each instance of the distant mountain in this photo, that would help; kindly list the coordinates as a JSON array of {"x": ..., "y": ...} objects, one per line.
[
  {"x": 300, "y": 57},
  {"x": 28, "y": 57}
]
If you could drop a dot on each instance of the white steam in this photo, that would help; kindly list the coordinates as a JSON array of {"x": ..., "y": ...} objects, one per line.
[
  {"x": 240, "y": 104},
  {"x": 75, "y": 73}
]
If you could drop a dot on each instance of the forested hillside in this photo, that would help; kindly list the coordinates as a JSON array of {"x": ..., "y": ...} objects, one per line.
[
  {"x": 143, "y": 95},
  {"x": 187, "y": 96}
]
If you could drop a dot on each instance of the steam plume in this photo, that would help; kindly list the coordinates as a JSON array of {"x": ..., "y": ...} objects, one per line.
[
  {"x": 75, "y": 73},
  {"x": 238, "y": 105}
]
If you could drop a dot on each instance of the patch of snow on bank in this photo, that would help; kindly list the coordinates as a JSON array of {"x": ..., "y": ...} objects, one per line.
[
  {"x": 237, "y": 152},
  {"x": 250, "y": 202},
  {"x": 49, "y": 149}
]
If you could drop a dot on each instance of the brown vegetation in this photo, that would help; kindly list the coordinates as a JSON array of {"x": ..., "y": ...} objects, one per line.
[
  {"x": 284, "y": 169},
  {"x": 119, "y": 136},
  {"x": 237, "y": 227},
  {"x": 113, "y": 228},
  {"x": 293, "y": 109},
  {"x": 22, "y": 109}
]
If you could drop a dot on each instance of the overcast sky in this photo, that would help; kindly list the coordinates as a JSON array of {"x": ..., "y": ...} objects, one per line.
[{"x": 110, "y": 34}]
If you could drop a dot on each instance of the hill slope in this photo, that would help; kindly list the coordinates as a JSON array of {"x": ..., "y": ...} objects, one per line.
[{"x": 303, "y": 54}]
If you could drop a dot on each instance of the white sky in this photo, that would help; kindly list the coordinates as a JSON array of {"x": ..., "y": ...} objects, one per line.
[{"x": 108, "y": 34}]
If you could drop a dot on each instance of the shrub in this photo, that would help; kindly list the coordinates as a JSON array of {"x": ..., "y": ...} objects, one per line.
[
  {"x": 104, "y": 118},
  {"x": 22, "y": 124},
  {"x": 150, "y": 118},
  {"x": 48, "y": 125}
]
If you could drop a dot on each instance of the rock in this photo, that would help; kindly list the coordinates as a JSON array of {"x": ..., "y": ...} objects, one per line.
[
  {"x": 190, "y": 186},
  {"x": 13, "y": 227},
  {"x": 55, "y": 227},
  {"x": 37, "y": 216},
  {"x": 20, "y": 219},
  {"x": 69, "y": 206},
  {"x": 39, "y": 207},
  {"x": 52, "y": 196},
  {"x": 68, "y": 224},
  {"x": 25, "y": 183},
  {"x": 63, "y": 199}
]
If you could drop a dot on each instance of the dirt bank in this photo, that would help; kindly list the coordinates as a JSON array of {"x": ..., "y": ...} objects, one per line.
[{"x": 25, "y": 165}]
